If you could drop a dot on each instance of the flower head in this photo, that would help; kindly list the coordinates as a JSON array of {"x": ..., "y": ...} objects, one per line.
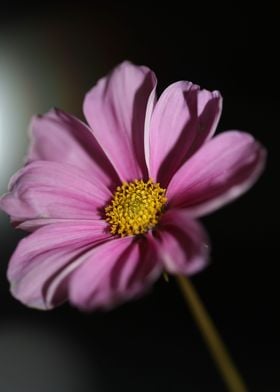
[
  {"x": 113, "y": 204},
  {"x": 136, "y": 207}
]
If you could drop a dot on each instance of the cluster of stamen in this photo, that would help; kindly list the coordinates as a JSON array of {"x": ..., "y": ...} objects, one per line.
[{"x": 135, "y": 207}]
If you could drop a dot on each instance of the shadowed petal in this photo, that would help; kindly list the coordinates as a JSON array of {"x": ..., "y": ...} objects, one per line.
[
  {"x": 42, "y": 257},
  {"x": 115, "y": 109},
  {"x": 183, "y": 118},
  {"x": 209, "y": 109},
  {"x": 117, "y": 270},
  {"x": 58, "y": 136},
  {"x": 53, "y": 190},
  {"x": 182, "y": 243},
  {"x": 223, "y": 169}
]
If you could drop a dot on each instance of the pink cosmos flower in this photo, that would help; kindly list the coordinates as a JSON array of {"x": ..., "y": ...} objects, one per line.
[{"x": 113, "y": 204}]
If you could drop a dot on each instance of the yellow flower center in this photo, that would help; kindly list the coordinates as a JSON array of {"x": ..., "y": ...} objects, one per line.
[{"x": 135, "y": 207}]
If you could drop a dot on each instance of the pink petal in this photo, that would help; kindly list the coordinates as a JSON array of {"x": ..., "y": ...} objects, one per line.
[
  {"x": 117, "y": 270},
  {"x": 209, "y": 109},
  {"x": 60, "y": 137},
  {"x": 183, "y": 118},
  {"x": 46, "y": 190},
  {"x": 44, "y": 255},
  {"x": 223, "y": 169},
  {"x": 183, "y": 245},
  {"x": 34, "y": 224},
  {"x": 115, "y": 109}
]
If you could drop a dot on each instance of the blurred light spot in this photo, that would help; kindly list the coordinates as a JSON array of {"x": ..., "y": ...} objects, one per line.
[
  {"x": 32, "y": 80},
  {"x": 14, "y": 104}
]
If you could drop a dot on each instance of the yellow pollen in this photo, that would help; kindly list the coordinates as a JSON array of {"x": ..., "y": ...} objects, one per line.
[{"x": 135, "y": 207}]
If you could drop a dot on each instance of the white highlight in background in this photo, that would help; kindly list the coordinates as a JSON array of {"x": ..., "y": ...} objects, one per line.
[{"x": 14, "y": 112}]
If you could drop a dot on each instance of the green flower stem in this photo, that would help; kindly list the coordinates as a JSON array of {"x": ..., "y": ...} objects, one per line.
[{"x": 228, "y": 371}]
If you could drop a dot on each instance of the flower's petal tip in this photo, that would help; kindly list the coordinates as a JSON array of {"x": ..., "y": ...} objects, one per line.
[
  {"x": 25, "y": 297},
  {"x": 258, "y": 158},
  {"x": 262, "y": 160},
  {"x": 217, "y": 94},
  {"x": 52, "y": 112},
  {"x": 129, "y": 65},
  {"x": 6, "y": 201},
  {"x": 31, "y": 131},
  {"x": 2, "y": 202},
  {"x": 257, "y": 172}
]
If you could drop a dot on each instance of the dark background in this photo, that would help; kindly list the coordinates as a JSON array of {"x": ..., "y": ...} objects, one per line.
[{"x": 50, "y": 55}]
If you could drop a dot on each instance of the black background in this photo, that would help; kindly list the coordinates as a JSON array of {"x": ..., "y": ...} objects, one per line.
[{"x": 152, "y": 344}]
